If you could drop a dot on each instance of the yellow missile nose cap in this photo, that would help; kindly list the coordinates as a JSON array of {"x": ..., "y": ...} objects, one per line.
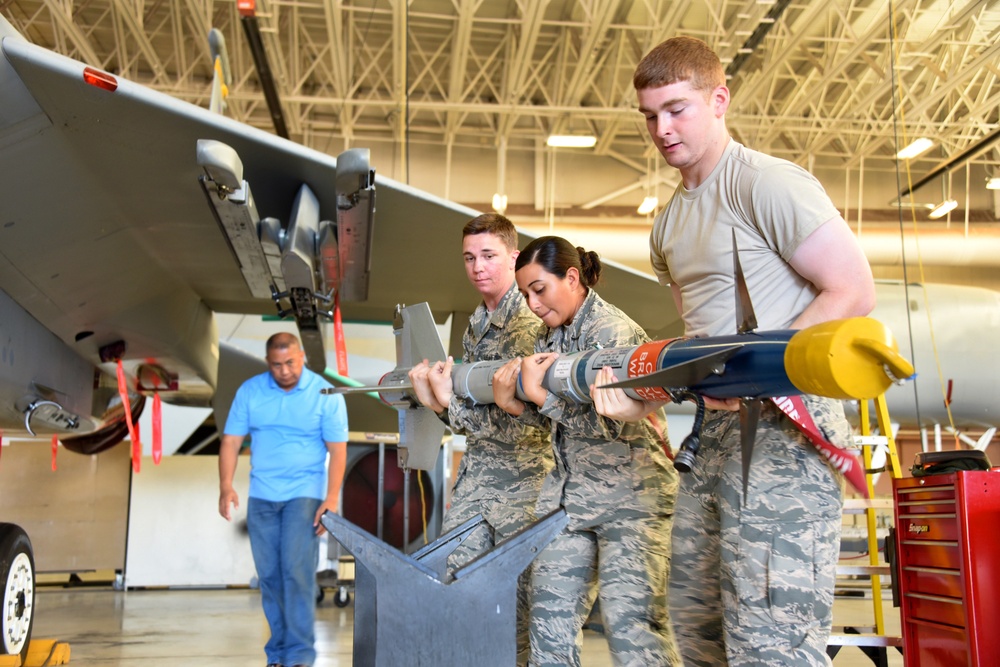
[{"x": 855, "y": 358}]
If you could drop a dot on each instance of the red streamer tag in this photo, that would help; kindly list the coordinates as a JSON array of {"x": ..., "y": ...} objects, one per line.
[
  {"x": 1, "y": 441},
  {"x": 157, "y": 429},
  {"x": 338, "y": 337},
  {"x": 55, "y": 448},
  {"x": 841, "y": 459},
  {"x": 660, "y": 431},
  {"x": 133, "y": 435}
]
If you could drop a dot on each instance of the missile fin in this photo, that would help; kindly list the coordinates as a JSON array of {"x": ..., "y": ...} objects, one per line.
[
  {"x": 746, "y": 321},
  {"x": 417, "y": 336},
  {"x": 749, "y": 416},
  {"x": 683, "y": 374},
  {"x": 365, "y": 390},
  {"x": 420, "y": 433}
]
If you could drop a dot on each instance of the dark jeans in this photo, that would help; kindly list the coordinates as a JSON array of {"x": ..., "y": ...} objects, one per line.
[{"x": 286, "y": 552}]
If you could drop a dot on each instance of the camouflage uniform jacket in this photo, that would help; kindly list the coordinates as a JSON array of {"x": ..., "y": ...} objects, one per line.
[
  {"x": 504, "y": 457},
  {"x": 604, "y": 469}
]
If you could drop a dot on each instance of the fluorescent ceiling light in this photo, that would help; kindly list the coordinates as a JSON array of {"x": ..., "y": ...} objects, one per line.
[
  {"x": 944, "y": 207},
  {"x": 499, "y": 202},
  {"x": 916, "y": 148},
  {"x": 571, "y": 140},
  {"x": 648, "y": 205},
  {"x": 993, "y": 183}
]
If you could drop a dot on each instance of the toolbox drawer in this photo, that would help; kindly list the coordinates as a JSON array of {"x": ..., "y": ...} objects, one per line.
[
  {"x": 926, "y": 553},
  {"x": 936, "y": 527},
  {"x": 911, "y": 506},
  {"x": 932, "y": 645},
  {"x": 935, "y": 608},
  {"x": 912, "y": 490},
  {"x": 933, "y": 581}
]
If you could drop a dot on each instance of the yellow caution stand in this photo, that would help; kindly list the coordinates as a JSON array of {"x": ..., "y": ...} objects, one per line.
[
  {"x": 41, "y": 653},
  {"x": 873, "y": 644}
]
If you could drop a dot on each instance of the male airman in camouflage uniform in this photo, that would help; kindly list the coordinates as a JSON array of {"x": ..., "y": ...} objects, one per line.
[
  {"x": 775, "y": 595},
  {"x": 752, "y": 578},
  {"x": 505, "y": 460}
]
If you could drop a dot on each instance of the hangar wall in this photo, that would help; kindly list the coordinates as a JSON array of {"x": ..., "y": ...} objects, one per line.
[
  {"x": 175, "y": 534},
  {"x": 75, "y": 515}
]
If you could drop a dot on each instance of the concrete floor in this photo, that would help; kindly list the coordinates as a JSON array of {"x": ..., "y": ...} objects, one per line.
[{"x": 225, "y": 628}]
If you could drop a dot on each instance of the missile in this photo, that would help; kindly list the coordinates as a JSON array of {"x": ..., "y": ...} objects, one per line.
[{"x": 855, "y": 358}]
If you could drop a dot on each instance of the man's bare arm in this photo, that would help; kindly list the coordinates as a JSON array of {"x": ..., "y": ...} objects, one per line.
[
  {"x": 832, "y": 260},
  {"x": 229, "y": 452},
  {"x": 336, "y": 467}
]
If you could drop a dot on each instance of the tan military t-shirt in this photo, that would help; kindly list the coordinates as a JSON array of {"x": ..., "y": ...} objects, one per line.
[{"x": 773, "y": 205}]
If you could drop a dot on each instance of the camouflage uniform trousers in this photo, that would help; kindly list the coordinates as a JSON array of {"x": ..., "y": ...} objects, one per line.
[
  {"x": 752, "y": 583},
  {"x": 503, "y": 517},
  {"x": 626, "y": 562}
]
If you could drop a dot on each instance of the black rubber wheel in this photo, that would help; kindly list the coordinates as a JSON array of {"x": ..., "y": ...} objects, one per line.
[
  {"x": 17, "y": 576},
  {"x": 342, "y": 598},
  {"x": 320, "y": 595}
]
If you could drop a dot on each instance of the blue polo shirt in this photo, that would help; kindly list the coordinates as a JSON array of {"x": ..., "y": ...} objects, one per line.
[{"x": 289, "y": 431}]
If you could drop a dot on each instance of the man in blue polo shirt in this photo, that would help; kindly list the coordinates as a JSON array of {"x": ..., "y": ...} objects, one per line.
[{"x": 298, "y": 452}]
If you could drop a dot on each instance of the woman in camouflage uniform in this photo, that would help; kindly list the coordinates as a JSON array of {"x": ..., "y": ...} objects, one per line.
[{"x": 613, "y": 478}]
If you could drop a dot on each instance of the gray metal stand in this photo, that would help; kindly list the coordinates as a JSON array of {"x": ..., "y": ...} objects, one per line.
[{"x": 410, "y": 611}]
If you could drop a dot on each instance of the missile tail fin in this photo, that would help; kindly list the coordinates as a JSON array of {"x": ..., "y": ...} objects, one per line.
[
  {"x": 420, "y": 433},
  {"x": 372, "y": 389},
  {"x": 417, "y": 336},
  {"x": 749, "y": 416},
  {"x": 746, "y": 321},
  {"x": 420, "y": 430}
]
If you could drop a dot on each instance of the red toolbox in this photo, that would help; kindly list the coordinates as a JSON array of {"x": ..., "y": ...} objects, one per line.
[{"x": 948, "y": 554}]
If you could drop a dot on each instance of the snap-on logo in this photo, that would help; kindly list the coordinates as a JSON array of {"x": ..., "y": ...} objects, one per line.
[{"x": 918, "y": 528}]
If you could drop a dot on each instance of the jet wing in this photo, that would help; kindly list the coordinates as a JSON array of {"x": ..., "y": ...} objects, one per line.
[{"x": 106, "y": 234}]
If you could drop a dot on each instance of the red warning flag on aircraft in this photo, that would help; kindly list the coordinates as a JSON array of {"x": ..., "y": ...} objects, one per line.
[
  {"x": 132, "y": 432},
  {"x": 339, "y": 342},
  {"x": 157, "y": 429}
]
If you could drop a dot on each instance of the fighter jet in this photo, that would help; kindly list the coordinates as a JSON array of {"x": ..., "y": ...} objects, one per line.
[{"x": 130, "y": 217}]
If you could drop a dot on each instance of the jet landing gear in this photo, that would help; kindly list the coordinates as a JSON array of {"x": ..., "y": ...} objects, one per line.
[{"x": 17, "y": 576}]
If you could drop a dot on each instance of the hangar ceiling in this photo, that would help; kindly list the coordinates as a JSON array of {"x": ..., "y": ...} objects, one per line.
[{"x": 837, "y": 86}]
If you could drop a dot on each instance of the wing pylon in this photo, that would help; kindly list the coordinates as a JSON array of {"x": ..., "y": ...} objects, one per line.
[{"x": 300, "y": 266}]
